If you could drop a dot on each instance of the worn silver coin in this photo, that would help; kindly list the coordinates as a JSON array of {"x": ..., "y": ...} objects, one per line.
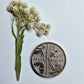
[{"x": 48, "y": 60}]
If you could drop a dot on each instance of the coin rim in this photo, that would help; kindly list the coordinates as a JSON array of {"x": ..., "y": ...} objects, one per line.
[{"x": 52, "y": 75}]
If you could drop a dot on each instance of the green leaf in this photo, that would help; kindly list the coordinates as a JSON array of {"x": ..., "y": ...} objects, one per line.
[
  {"x": 13, "y": 29},
  {"x": 22, "y": 32},
  {"x": 20, "y": 29}
]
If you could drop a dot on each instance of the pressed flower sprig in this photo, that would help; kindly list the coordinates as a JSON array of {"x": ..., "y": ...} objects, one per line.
[{"x": 25, "y": 18}]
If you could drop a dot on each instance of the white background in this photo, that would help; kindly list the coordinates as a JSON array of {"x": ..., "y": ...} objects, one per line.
[{"x": 67, "y": 20}]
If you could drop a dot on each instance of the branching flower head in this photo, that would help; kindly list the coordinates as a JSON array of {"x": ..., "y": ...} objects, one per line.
[{"x": 27, "y": 18}]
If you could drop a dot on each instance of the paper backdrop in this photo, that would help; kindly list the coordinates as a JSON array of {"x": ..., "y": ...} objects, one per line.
[{"x": 67, "y": 20}]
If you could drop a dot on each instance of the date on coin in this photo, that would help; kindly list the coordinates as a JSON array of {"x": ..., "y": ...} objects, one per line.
[{"x": 48, "y": 60}]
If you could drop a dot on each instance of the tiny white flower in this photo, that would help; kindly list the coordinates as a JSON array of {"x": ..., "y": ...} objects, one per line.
[
  {"x": 37, "y": 25},
  {"x": 38, "y": 19},
  {"x": 15, "y": 8},
  {"x": 43, "y": 27},
  {"x": 26, "y": 10},
  {"x": 36, "y": 13},
  {"x": 46, "y": 32},
  {"x": 20, "y": 2},
  {"x": 21, "y": 8},
  {"x": 15, "y": 2},
  {"x": 33, "y": 9},
  {"x": 12, "y": 3},
  {"x": 42, "y": 24},
  {"x": 48, "y": 26},
  {"x": 24, "y": 5},
  {"x": 22, "y": 24},
  {"x": 30, "y": 25},
  {"x": 40, "y": 32},
  {"x": 10, "y": 7},
  {"x": 29, "y": 18},
  {"x": 30, "y": 15},
  {"x": 32, "y": 20}
]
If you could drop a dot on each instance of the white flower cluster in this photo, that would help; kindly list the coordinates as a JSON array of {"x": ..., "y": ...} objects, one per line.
[
  {"x": 43, "y": 29},
  {"x": 27, "y": 18}
]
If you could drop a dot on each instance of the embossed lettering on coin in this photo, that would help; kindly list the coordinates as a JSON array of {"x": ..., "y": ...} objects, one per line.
[{"x": 48, "y": 60}]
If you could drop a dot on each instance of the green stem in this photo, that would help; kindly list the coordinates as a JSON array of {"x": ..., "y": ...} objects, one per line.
[
  {"x": 18, "y": 48},
  {"x": 18, "y": 45}
]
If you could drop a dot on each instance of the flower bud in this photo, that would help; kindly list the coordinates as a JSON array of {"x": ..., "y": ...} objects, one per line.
[
  {"x": 30, "y": 25},
  {"x": 15, "y": 8},
  {"x": 26, "y": 10},
  {"x": 46, "y": 32},
  {"x": 24, "y": 5},
  {"x": 10, "y": 7},
  {"x": 38, "y": 19},
  {"x": 20, "y": 8},
  {"x": 48, "y": 26},
  {"x": 37, "y": 25},
  {"x": 20, "y": 3}
]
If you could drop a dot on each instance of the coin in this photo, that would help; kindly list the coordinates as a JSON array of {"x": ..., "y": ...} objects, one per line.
[{"x": 48, "y": 60}]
